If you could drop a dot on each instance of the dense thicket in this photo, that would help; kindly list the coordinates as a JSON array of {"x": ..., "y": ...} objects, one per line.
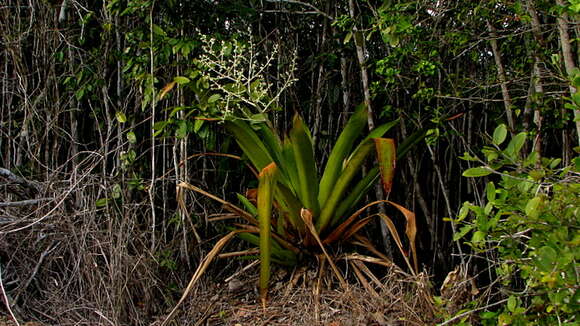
[{"x": 88, "y": 121}]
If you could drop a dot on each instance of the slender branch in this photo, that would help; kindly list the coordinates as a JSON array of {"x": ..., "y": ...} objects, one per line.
[
  {"x": 316, "y": 10},
  {"x": 502, "y": 77},
  {"x": 21, "y": 203},
  {"x": 5, "y": 297},
  {"x": 472, "y": 311}
]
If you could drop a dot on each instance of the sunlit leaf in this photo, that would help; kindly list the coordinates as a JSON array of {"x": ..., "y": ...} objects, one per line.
[
  {"x": 121, "y": 117},
  {"x": 532, "y": 207},
  {"x": 499, "y": 134},
  {"x": 516, "y": 144},
  {"x": 477, "y": 172},
  {"x": 181, "y": 80}
]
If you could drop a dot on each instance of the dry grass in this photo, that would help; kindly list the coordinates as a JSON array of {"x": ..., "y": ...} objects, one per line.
[
  {"x": 65, "y": 265},
  {"x": 397, "y": 301}
]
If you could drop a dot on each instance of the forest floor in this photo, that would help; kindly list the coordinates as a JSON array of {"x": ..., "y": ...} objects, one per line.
[{"x": 302, "y": 300}]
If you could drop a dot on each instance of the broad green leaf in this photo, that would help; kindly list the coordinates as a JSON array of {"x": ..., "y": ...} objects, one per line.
[
  {"x": 121, "y": 117},
  {"x": 532, "y": 207},
  {"x": 340, "y": 151},
  {"x": 386, "y": 157},
  {"x": 180, "y": 80},
  {"x": 131, "y": 137},
  {"x": 250, "y": 143},
  {"x": 157, "y": 30},
  {"x": 352, "y": 168},
  {"x": 360, "y": 190},
  {"x": 273, "y": 144},
  {"x": 554, "y": 163},
  {"x": 290, "y": 165},
  {"x": 197, "y": 125},
  {"x": 348, "y": 204},
  {"x": 546, "y": 258},
  {"x": 182, "y": 129},
  {"x": 477, "y": 172},
  {"x": 499, "y": 134},
  {"x": 214, "y": 98},
  {"x": 305, "y": 165},
  {"x": 512, "y": 303},
  {"x": 532, "y": 159},
  {"x": 516, "y": 144},
  {"x": 490, "y": 191},
  {"x": 267, "y": 180},
  {"x": 478, "y": 237}
]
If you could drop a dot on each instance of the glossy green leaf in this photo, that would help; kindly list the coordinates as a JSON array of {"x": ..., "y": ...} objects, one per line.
[
  {"x": 355, "y": 195},
  {"x": 516, "y": 144},
  {"x": 305, "y": 165},
  {"x": 352, "y": 168},
  {"x": 532, "y": 207},
  {"x": 340, "y": 152},
  {"x": 121, "y": 117},
  {"x": 214, "y": 98},
  {"x": 250, "y": 143},
  {"x": 478, "y": 237},
  {"x": 490, "y": 192},
  {"x": 499, "y": 134},
  {"x": 180, "y": 80},
  {"x": 477, "y": 172},
  {"x": 512, "y": 303},
  {"x": 462, "y": 232}
]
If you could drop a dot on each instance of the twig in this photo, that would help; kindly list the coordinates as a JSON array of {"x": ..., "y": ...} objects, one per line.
[
  {"x": 14, "y": 179},
  {"x": 318, "y": 11},
  {"x": 5, "y": 297},
  {"x": 45, "y": 253},
  {"x": 472, "y": 311},
  {"x": 24, "y": 202}
]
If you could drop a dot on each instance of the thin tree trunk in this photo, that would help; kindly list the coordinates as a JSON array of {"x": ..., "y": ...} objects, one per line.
[
  {"x": 567, "y": 54},
  {"x": 153, "y": 176},
  {"x": 502, "y": 77},
  {"x": 536, "y": 80},
  {"x": 360, "y": 51}
]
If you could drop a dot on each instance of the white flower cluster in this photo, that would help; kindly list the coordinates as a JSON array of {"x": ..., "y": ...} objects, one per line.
[{"x": 239, "y": 72}]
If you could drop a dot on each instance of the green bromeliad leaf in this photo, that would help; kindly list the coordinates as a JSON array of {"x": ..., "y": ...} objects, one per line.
[
  {"x": 340, "y": 152},
  {"x": 267, "y": 181},
  {"x": 305, "y": 165},
  {"x": 250, "y": 143},
  {"x": 350, "y": 171}
]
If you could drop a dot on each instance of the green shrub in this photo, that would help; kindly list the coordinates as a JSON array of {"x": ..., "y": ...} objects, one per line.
[{"x": 529, "y": 228}]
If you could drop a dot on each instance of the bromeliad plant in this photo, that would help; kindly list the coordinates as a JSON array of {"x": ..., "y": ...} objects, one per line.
[{"x": 298, "y": 213}]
